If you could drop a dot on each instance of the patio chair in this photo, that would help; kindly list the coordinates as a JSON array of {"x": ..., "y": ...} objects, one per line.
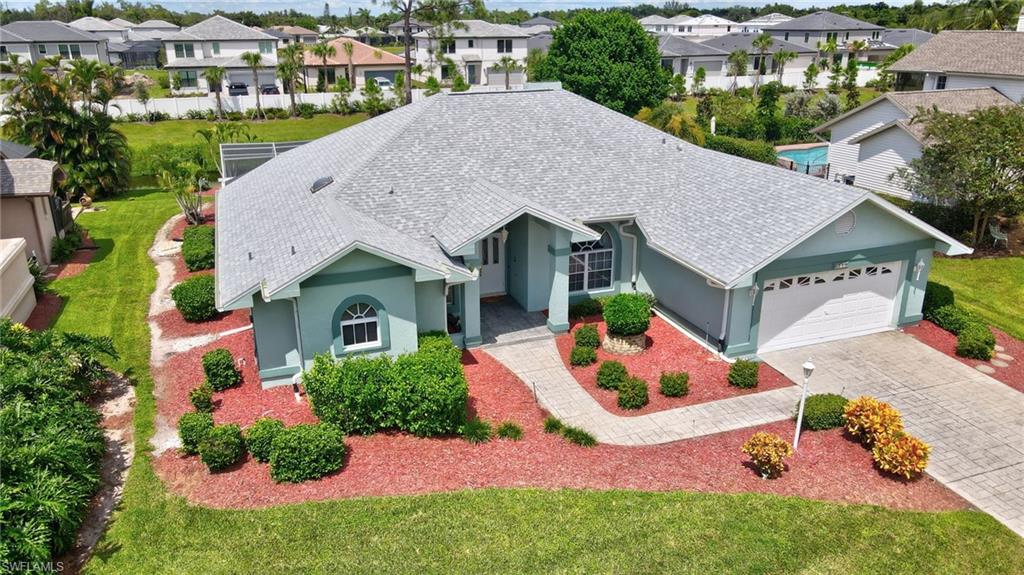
[{"x": 998, "y": 235}]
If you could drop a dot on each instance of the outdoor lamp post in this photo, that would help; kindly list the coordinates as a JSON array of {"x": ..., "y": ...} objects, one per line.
[{"x": 808, "y": 370}]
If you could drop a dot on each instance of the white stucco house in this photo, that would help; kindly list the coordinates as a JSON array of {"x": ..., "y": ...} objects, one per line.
[
  {"x": 102, "y": 28},
  {"x": 760, "y": 23},
  {"x": 475, "y": 46},
  {"x": 869, "y": 144},
  {"x": 814, "y": 30},
  {"x": 36, "y": 40},
  {"x": 707, "y": 25},
  {"x": 218, "y": 41},
  {"x": 681, "y": 55}
]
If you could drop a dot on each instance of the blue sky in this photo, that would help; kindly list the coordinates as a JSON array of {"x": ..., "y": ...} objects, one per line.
[{"x": 341, "y": 7}]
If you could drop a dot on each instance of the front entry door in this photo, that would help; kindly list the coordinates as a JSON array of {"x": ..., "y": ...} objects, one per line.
[
  {"x": 492, "y": 265},
  {"x": 473, "y": 74}
]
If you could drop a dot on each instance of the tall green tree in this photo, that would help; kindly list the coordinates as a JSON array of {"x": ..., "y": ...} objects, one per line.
[
  {"x": 975, "y": 160},
  {"x": 323, "y": 50},
  {"x": 672, "y": 117},
  {"x": 737, "y": 66},
  {"x": 289, "y": 69},
  {"x": 255, "y": 61},
  {"x": 762, "y": 43},
  {"x": 215, "y": 80},
  {"x": 986, "y": 15},
  {"x": 507, "y": 65},
  {"x": 607, "y": 57},
  {"x": 783, "y": 57}
]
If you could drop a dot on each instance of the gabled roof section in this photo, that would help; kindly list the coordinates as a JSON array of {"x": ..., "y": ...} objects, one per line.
[
  {"x": 217, "y": 27},
  {"x": 709, "y": 20},
  {"x": 14, "y": 151},
  {"x": 27, "y": 177},
  {"x": 982, "y": 52},
  {"x": 768, "y": 20},
  {"x": 44, "y": 31},
  {"x": 827, "y": 22},
  {"x": 654, "y": 19},
  {"x": 672, "y": 45},
  {"x": 122, "y": 23},
  {"x": 155, "y": 24},
  {"x": 295, "y": 30},
  {"x": 745, "y": 41},
  {"x": 950, "y": 101},
  {"x": 362, "y": 55},
  {"x": 485, "y": 207},
  {"x": 901, "y": 36},
  {"x": 539, "y": 21},
  {"x": 479, "y": 29},
  {"x": 93, "y": 24}
]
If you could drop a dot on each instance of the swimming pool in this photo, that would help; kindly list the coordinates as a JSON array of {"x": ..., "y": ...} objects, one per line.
[{"x": 808, "y": 156}]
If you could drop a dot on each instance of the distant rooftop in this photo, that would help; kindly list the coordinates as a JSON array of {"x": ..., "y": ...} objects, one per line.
[
  {"x": 984, "y": 52},
  {"x": 825, "y": 21},
  {"x": 217, "y": 27},
  {"x": 481, "y": 29},
  {"x": 44, "y": 31}
]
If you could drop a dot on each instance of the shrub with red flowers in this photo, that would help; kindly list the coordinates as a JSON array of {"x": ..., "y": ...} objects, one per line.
[
  {"x": 868, "y": 419},
  {"x": 767, "y": 452},
  {"x": 901, "y": 454}
]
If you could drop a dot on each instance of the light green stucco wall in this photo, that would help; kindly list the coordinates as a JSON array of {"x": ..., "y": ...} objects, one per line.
[
  {"x": 874, "y": 228},
  {"x": 274, "y": 333},
  {"x": 431, "y": 306}
]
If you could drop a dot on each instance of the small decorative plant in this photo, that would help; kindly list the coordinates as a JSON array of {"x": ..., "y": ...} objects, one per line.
[
  {"x": 582, "y": 356},
  {"x": 193, "y": 428},
  {"x": 768, "y": 452},
  {"x": 510, "y": 430},
  {"x": 259, "y": 437},
  {"x": 222, "y": 447},
  {"x": 194, "y": 298},
  {"x": 306, "y": 451},
  {"x": 633, "y": 393},
  {"x": 477, "y": 430},
  {"x": 627, "y": 314},
  {"x": 743, "y": 374},
  {"x": 901, "y": 454},
  {"x": 578, "y": 436},
  {"x": 202, "y": 398},
  {"x": 823, "y": 411},
  {"x": 611, "y": 374},
  {"x": 869, "y": 420},
  {"x": 586, "y": 336},
  {"x": 552, "y": 424},
  {"x": 220, "y": 369},
  {"x": 674, "y": 383}
]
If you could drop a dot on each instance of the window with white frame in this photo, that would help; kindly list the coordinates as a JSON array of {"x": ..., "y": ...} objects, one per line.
[
  {"x": 188, "y": 78},
  {"x": 70, "y": 51},
  {"x": 215, "y": 48},
  {"x": 184, "y": 51},
  {"x": 590, "y": 265},
  {"x": 266, "y": 47},
  {"x": 504, "y": 46},
  {"x": 360, "y": 326},
  {"x": 42, "y": 48}
]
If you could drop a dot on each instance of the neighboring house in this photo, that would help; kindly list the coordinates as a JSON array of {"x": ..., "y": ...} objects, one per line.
[
  {"x": 397, "y": 29},
  {"x": 40, "y": 39},
  {"x": 122, "y": 23},
  {"x": 152, "y": 30},
  {"x": 135, "y": 54},
  {"x": 870, "y": 143},
  {"x": 30, "y": 208},
  {"x": 760, "y": 23},
  {"x": 102, "y": 28},
  {"x": 793, "y": 71},
  {"x": 682, "y": 56},
  {"x": 657, "y": 24},
  {"x": 474, "y": 47},
  {"x": 17, "y": 296},
  {"x": 965, "y": 59},
  {"x": 297, "y": 34},
  {"x": 815, "y": 30},
  {"x": 706, "y": 25},
  {"x": 368, "y": 62},
  {"x": 218, "y": 41},
  {"x": 540, "y": 41},
  {"x": 539, "y": 21},
  {"x": 1020, "y": 20},
  {"x": 367, "y": 247}
]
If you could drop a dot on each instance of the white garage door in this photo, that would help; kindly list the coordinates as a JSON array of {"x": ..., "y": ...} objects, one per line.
[{"x": 823, "y": 306}]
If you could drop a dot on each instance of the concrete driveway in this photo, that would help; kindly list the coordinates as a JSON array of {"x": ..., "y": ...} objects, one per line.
[{"x": 974, "y": 423}]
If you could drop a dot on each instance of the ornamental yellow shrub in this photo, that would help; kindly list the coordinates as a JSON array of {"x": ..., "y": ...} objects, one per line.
[
  {"x": 869, "y": 419},
  {"x": 767, "y": 451},
  {"x": 901, "y": 454}
]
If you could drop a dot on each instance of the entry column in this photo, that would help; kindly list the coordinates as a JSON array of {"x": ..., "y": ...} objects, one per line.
[{"x": 558, "y": 301}]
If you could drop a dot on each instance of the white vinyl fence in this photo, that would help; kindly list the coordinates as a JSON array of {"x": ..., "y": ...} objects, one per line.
[{"x": 180, "y": 107}]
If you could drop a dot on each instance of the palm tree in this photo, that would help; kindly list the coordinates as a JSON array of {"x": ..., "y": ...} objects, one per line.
[
  {"x": 215, "y": 78},
  {"x": 762, "y": 44},
  {"x": 255, "y": 61},
  {"x": 349, "y": 48},
  {"x": 83, "y": 75},
  {"x": 783, "y": 57},
  {"x": 737, "y": 67},
  {"x": 108, "y": 85},
  {"x": 507, "y": 64},
  {"x": 827, "y": 62},
  {"x": 323, "y": 50},
  {"x": 987, "y": 15},
  {"x": 671, "y": 117},
  {"x": 289, "y": 66}
]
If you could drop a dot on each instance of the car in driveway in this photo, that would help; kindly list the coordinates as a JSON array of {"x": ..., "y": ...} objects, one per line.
[
  {"x": 269, "y": 90},
  {"x": 385, "y": 84},
  {"x": 238, "y": 89}
]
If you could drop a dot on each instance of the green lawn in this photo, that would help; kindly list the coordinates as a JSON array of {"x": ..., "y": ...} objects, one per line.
[
  {"x": 486, "y": 531},
  {"x": 141, "y": 134},
  {"x": 155, "y": 91},
  {"x": 993, "y": 288}
]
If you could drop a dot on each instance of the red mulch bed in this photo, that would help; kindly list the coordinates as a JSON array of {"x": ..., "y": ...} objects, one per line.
[
  {"x": 47, "y": 308},
  {"x": 79, "y": 260},
  {"x": 172, "y": 325},
  {"x": 828, "y": 465},
  {"x": 944, "y": 341},
  {"x": 668, "y": 350},
  {"x": 178, "y": 231}
]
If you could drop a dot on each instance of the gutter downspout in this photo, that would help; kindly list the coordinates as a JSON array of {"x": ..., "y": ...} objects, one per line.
[
  {"x": 298, "y": 343},
  {"x": 622, "y": 232},
  {"x": 725, "y": 320}
]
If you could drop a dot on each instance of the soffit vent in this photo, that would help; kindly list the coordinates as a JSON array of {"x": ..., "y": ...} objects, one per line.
[
  {"x": 846, "y": 223},
  {"x": 321, "y": 183}
]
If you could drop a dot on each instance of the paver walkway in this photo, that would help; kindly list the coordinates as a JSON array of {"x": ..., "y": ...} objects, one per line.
[
  {"x": 502, "y": 321},
  {"x": 538, "y": 364},
  {"x": 974, "y": 424}
]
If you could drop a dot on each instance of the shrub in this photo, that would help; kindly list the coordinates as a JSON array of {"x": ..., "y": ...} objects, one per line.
[
  {"x": 767, "y": 452},
  {"x": 632, "y": 393},
  {"x": 586, "y": 336},
  {"x": 585, "y": 308},
  {"x": 582, "y": 356},
  {"x": 192, "y": 428},
  {"x": 952, "y": 318},
  {"x": 477, "y": 430},
  {"x": 202, "y": 398},
  {"x": 552, "y": 424},
  {"x": 743, "y": 374},
  {"x": 194, "y": 298},
  {"x": 197, "y": 248},
  {"x": 823, "y": 411},
  {"x": 220, "y": 370},
  {"x": 259, "y": 437},
  {"x": 62, "y": 249},
  {"x": 901, "y": 454},
  {"x": 936, "y": 295},
  {"x": 975, "y": 341},
  {"x": 611, "y": 374},
  {"x": 752, "y": 150},
  {"x": 868, "y": 419},
  {"x": 578, "y": 436},
  {"x": 222, "y": 447},
  {"x": 627, "y": 314},
  {"x": 510, "y": 430},
  {"x": 306, "y": 451},
  {"x": 674, "y": 383}
]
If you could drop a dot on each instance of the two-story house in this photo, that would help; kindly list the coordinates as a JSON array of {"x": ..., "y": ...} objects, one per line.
[
  {"x": 966, "y": 59},
  {"x": 397, "y": 28},
  {"x": 32, "y": 41},
  {"x": 792, "y": 71},
  {"x": 219, "y": 41},
  {"x": 817, "y": 29},
  {"x": 297, "y": 34},
  {"x": 367, "y": 62},
  {"x": 760, "y": 23},
  {"x": 473, "y": 47},
  {"x": 102, "y": 28},
  {"x": 706, "y": 25}
]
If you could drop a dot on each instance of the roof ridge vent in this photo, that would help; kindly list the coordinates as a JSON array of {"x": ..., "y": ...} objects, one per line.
[{"x": 321, "y": 183}]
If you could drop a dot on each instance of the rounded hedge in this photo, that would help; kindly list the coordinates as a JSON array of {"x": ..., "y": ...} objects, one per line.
[
  {"x": 823, "y": 411},
  {"x": 192, "y": 428},
  {"x": 611, "y": 374},
  {"x": 936, "y": 295},
  {"x": 633, "y": 393},
  {"x": 587, "y": 336},
  {"x": 202, "y": 398},
  {"x": 306, "y": 451},
  {"x": 627, "y": 314},
  {"x": 743, "y": 374},
  {"x": 220, "y": 370},
  {"x": 674, "y": 383},
  {"x": 953, "y": 318},
  {"x": 582, "y": 356},
  {"x": 222, "y": 447},
  {"x": 975, "y": 341},
  {"x": 197, "y": 248},
  {"x": 194, "y": 298},
  {"x": 259, "y": 437}
]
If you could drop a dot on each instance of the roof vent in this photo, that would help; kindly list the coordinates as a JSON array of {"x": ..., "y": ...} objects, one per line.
[{"x": 321, "y": 183}]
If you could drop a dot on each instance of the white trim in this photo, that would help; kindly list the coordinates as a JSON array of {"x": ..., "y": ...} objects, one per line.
[
  {"x": 560, "y": 222},
  {"x": 363, "y": 320},
  {"x": 586, "y": 268}
]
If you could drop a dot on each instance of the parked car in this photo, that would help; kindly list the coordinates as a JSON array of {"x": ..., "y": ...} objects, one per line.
[
  {"x": 269, "y": 89},
  {"x": 238, "y": 89},
  {"x": 385, "y": 84}
]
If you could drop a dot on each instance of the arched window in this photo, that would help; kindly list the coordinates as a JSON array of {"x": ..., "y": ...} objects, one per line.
[
  {"x": 360, "y": 327},
  {"x": 590, "y": 265}
]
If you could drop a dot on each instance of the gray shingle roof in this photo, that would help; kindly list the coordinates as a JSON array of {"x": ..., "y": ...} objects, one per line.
[
  {"x": 44, "y": 31},
  {"x": 900, "y": 36},
  {"x": 539, "y": 21},
  {"x": 745, "y": 41},
  {"x": 151, "y": 24},
  {"x": 121, "y": 22},
  {"x": 985, "y": 52},
  {"x": 719, "y": 214},
  {"x": 217, "y": 27},
  {"x": 480, "y": 29},
  {"x": 26, "y": 177},
  {"x": 825, "y": 21},
  {"x": 93, "y": 24},
  {"x": 12, "y": 150},
  {"x": 671, "y": 45}
]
